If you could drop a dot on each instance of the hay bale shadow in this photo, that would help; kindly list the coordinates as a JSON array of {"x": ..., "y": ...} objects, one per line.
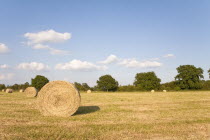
[{"x": 86, "y": 110}]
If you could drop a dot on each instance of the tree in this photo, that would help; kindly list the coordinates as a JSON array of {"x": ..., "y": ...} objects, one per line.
[
  {"x": 173, "y": 85},
  {"x": 39, "y": 81},
  {"x": 107, "y": 83},
  {"x": 209, "y": 72},
  {"x": 189, "y": 77},
  {"x": 95, "y": 88},
  {"x": 85, "y": 86},
  {"x": 127, "y": 88},
  {"x": 24, "y": 86},
  {"x": 147, "y": 81},
  {"x": 82, "y": 87},
  {"x": 2, "y": 86},
  {"x": 15, "y": 87},
  {"x": 78, "y": 86}
]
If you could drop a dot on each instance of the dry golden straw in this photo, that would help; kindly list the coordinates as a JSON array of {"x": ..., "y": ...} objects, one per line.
[
  {"x": 152, "y": 91},
  {"x": 89, "y": 91},
  {"x": 21, "y": 90},
  {"x": 31, "y": 92},
  {"x": 3, "y": 90},
  {"x": 9, "y": 90},
  {"x": 58, "y": 98}
]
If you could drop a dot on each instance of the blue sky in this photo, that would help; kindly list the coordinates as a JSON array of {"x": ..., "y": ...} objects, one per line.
[{"x": 84, "y": 39}]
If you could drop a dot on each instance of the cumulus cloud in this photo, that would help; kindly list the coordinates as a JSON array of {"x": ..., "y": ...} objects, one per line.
[
  {"x": 169, "y": 55},
  {"x": 58, "y": 52},
  {"x": 50, "y": 49},
  {"x": 110, "y": 59},
  {"x": 133, "y": 63},
  {"x": 154, "y": 59},
  {"x": 48, "y": 36},
  {"x": 40, "y": 46},
  {"x": 34, "y": 66},
  {"x": 79, "y": 65},
  {"x": 38, "y": 41},
  {"x": 4, "y": 66},
  {"x": 3, "y": 48},
  {"x": 7, "y": 76}
]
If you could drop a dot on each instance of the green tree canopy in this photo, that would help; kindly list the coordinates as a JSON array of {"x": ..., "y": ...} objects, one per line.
[
  {"x": 85, "y": 86},
  {"x": 209, "y": 72},
  {"x": 24, "y": 86},
  {"x": 173, "y": 85},
  {"x": 39, "y": 81},
  {"x": 82, "y": 87},
  {"x": 107, "y": 83},
  {"x": 18, "y": 86},
  {"x": 189, "y": 77},
  {"x": 147, "y": 81},
  {"x": 2, "y": 86},
  {"x": 78, "y": 86}
]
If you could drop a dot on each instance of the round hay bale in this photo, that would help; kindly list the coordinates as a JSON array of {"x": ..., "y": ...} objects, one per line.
[
  {"x": 89, "y": 91},
  {"x": 164, "y": 90},
  {"x": 3, "y": 90},
  {"x": 31, "y": 92},
  {"x": 21, "y": 90},
  {"x": 9, "y": 90},
  {"x": 58, "y": 98},
  {"x": 152, "y": 91}
]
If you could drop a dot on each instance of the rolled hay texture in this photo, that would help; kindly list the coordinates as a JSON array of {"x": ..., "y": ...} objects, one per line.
[
  {"x": 88, "y": 91},
  {"x": 31, "y": 92},
  {"x": 58, "y": 98},
  {"x": 152, "y": 91},
  {"x": 21, "y": 90},
  {"x": 164, "y": 90},
  {"x": 9, "y": 90}
]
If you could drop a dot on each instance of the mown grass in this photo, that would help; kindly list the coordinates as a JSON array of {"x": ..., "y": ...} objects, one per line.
[{"x": 172, "y": 115}]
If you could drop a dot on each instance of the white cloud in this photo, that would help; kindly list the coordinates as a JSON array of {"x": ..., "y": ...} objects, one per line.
[
  {"x": 37, "y": 41},
  {"x": 110, "y": 59},
  {"x": 40, "y": 46},
  {"x": 51, "y": 50},
  {"x": 79, "y": 65},
  {"x": 154, "y": 59},
  {"x": 169, "y": 55},
  {"x": 4, "y": 66},
  {"x": 58, "y": 52},
  {"x": 3, "y": 48},
  {"x": 34, "y": 66},
  {"x": 48, "y": 36},
  {"x": 133, "y": 63},
  {"x": 7, "y": 76}
]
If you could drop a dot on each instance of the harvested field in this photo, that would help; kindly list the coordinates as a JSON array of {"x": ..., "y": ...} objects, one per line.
[{"x": 171, "y": 115}]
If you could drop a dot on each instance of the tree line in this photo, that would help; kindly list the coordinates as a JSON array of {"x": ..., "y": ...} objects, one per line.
[
  {"x": 189, "y": 77},
  {"x": 38, "y": 82}
]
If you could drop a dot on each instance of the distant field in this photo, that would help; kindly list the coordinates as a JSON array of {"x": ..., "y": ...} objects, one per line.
[{"x": 111, "y": 116}]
